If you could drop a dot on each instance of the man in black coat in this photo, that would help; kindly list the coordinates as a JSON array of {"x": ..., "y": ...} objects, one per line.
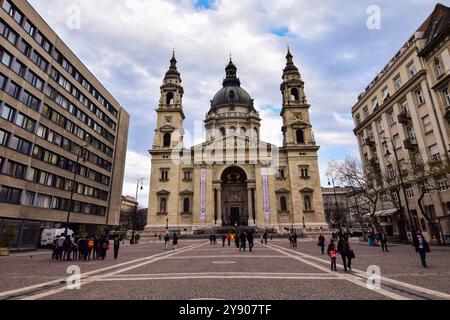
[
  {"x": 250, "y": 240},
  {"x": 421, "y": 246},
  {"x": 382, "y": 237},
  {"x": 342, "y": 249}
]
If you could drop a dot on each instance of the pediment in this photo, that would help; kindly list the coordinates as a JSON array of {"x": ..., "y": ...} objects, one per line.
[
  {"x": 163, "y": 193},
  {"x": 306, "y": 190}
]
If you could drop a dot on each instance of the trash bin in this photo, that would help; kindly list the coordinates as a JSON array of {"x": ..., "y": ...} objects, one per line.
[{"x": 371, "y": 240}]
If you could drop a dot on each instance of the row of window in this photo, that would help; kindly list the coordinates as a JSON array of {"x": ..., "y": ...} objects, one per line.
[
  {"x": 63, "y": 82},
  {"x": 21, "y": 171},
  {"x": 37, "y": 200},
  {"x": 26, "y": 147},
  {"x": 45, "y": 44},
  {"x": 12, "y": 115},
  {"x": 304, "y": 173},
  {"x": 15, "y": 91},
  {"x": 62, "y": 101}
]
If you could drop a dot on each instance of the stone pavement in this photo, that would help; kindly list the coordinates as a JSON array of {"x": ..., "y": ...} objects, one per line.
[{"x": 197, "y": 270}]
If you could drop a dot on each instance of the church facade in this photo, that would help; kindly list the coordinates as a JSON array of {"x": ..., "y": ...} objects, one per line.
[{"x": 233, "y": 178}]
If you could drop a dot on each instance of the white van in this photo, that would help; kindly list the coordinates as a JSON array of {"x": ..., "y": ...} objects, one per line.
[{"x": 49, "y": 235}]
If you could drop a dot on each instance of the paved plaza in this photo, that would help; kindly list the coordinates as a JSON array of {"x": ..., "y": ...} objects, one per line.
[{"x": 197, "y": 270}]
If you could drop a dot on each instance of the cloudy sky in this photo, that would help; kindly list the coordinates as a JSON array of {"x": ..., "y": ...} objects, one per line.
[{"x": 127, "y": 44}]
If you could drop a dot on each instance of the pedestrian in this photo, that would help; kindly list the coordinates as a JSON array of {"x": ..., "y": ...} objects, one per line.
[
  {"x": 82, "y": 244},
  {"x": 104, "y": 246},
  {"x": 55, "y": 249},
  {"x": 421, "y": 246},
  {"x": 236, "y": 240},
  {"x": 175, "y": 240},
  {"x": 290, "y": 238},
  {"x": 321, "y": 243},
  {"x": 67, "y": 249},
  {"x": 90, "y": 246},
  {"x": 250, "y": 240},
  {"x": 166, "y": 241},
  {"x": 75, "y": 249},
  {"x": 332, "y": 253},
  {"x": 60, "y": 246},
  {"x": 265, "y": 237},
  {"x": 350, "y": 254},
  {"x": 116, "y": 246},
  {"x": 229, "y": 239},
  {"x": 243, "y": 241},
  {"x": 160, "y": 237},
  {"x": 343, "y": 249},
  {"x": 224, "y": 238},
  {"x": 214, "y": 239},
  {"x": 211, "y": 239},
  {"x": 382, "y": 238},
  {"x": 294, "y": 239}
]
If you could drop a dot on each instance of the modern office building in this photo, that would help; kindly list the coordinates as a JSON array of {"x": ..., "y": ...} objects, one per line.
[
  {"x": 63, "y": 136},
  {"x": 402, "y": 126}
]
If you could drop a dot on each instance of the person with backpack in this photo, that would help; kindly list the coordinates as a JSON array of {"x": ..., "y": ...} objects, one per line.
[
  {"x": 116, "y": 246},
  {"x": 321, "y": 243},
  {"x": 175, "y": 240},
  {"x": 90, "y": 247},
  {"x": 332, "y": 253},
  {"x": 250, "y": 240}
]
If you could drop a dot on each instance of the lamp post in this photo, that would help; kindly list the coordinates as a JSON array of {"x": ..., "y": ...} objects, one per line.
[
  {"x": 80, "y": 154},
  {"x": 402, "y": 184},
  {"x": 140, "y": 182},
  {"x": 336, "y": 202}
]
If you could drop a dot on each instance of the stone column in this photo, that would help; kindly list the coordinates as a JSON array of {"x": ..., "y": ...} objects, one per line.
[
  {"x": 219, "y": 207},
  {"x": 250, "y": 207}
]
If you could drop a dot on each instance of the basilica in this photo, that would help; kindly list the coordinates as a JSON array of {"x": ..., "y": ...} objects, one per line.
[{"x": 233, "y": 179}]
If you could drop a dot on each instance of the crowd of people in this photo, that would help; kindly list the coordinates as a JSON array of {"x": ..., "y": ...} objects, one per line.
[
  {"x": 240, "y": 239},
  {"x": 68, "y": 248}
]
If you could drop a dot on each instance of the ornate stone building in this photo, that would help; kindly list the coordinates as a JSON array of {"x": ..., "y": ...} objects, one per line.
[{"x": 233, "y": 178}]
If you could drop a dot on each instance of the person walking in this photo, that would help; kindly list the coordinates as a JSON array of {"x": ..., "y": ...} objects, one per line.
[
  {"x": 342, "y": 250},
  {"x": 236, "y": 240},
  {"x": 265, "y": 237},
  {"x": 116, "y": 246},
  {"x": 349, "y": 253},
  {"x": 166, "y": 241},
  {"x": 60, "y": 247},
  {"x": 214, "y": 239},
  {"x": 229, "y": 239},
  {"x": 90, "y": 246},
  {"x": 382, "y": 238},
  {"x": 321, "y": 243},
  {"x": 250, "y": 240},
  {"x": 211, "y": 239},
  {"x": 104, "y": 247},
  {"x": 175, "y": 240},
  {"x": 67, "y": 249},
  {"x": 82, "y": 244},
  {"x": 332, "y": 253},
  {"x": 224, "y": 238},
  {"x": 421, "y": 246},
  {"x": 75, "y": 249},
  {"x": 55, "y": 249},
  {"x": 294, "y": 239},
  {"x": 243, "y": 241}
]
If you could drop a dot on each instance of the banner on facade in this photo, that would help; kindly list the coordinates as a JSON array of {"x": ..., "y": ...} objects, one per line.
[
  {"x": 203, "y": 194},
  {"x": 265, "y": 185}
]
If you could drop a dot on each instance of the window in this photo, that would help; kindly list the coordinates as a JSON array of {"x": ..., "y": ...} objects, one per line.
[
  {"x": 187, "y": 174},
  {"x": 434, "y": 153},
  {"x": 43, "y": 201},
  {"x": 409, "y": 191},
  {"x": 6, "y": 58},
  {"x": 12, "y": 89},
  {"x": 20, "y": 145},
  {"x": 294, "y": 94},
  {"x": 34, "y": 80},
  {"x": 386, "y": 148},
  {"x": 3, "y": 81},
  {"x": 39, "y": 60},
  {"x": 446, "y": 97},
  {"x": 390, "y": 171},
  {"x": 441, "y": 183},
  {"x": 30, "y": 100},
  {"x": 427, "y": 125},
  {"x": 232, "y": 130},
  {"x": 25, "y": 122},
  {"x": 167, "y": 138},
  {"x": 24, "y": 47},
  {"x": 304, "y": 172},
  {"x": 29, "y": 28},
  {"x": 19, "y": 68},
  {"x": 28, "y": 198},
  {"x": 4, "y": 137},
  {"x": 243, "y": 131},
  {"x": 163, "y": 205},
  {"x": 380, "y": 126},
  {"x": 10, "y": 195},
  {"x": 164, "y": 175},
  {"x": 391, "y": 117},
  {"x": 366, "y": 112},
  {"x": 169, "y": 99},
  {"x": 283, "y": 204},
  {"x": 300, "y": 136},
  {"x": 419, "y": 96},
  {"x": 358, "y": 119},
  {"x": 307, "y": 203},
  {"x": 397, "y": 142},
  {"x": 438, "y": 68},
  {"x": 14, "y": 169},
  {"x": 281, "y": 175},
  {"x": 8, "y": 113},
  {"x": 411, "y": 70},
  {"x": 386, "y": 95},
  {"x": 398, "y": 82},
  {"x": 186, "y": 205}
]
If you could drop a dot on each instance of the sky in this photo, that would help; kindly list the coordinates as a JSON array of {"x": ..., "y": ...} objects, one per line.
[{"x": 127, "y": 45}]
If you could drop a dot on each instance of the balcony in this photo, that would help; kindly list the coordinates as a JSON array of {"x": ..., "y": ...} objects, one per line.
[
  {"x": 404, "y": 117},
  {"x": 374, "y": 164},
  {"x": 370, "y": 141},
  {"x": 410, "y": 144}
]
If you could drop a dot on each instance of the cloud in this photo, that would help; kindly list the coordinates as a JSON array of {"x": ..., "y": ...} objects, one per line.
[{"x": 137, "y": 166}]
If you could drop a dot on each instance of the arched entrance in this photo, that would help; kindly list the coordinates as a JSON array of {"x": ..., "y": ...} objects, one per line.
[{"x": 234, "y": 197}]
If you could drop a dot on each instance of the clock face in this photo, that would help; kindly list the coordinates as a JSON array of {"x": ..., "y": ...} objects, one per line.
[
  {"x": 233, "y": 178},
  {"x": 298, "y": 115}
]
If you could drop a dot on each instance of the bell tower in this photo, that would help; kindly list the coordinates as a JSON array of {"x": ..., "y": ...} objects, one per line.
[
  {"x": 169, "y": 126},
  {"x": 297, "y": 129}
]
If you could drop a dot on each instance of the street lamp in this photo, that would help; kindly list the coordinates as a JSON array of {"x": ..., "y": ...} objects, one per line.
[
  {"x": 140, "y": 182},
  {"x": 336, "y": 202},
  {"x": 76, "y": 167},
  {"x": 401, "y": 182}
]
